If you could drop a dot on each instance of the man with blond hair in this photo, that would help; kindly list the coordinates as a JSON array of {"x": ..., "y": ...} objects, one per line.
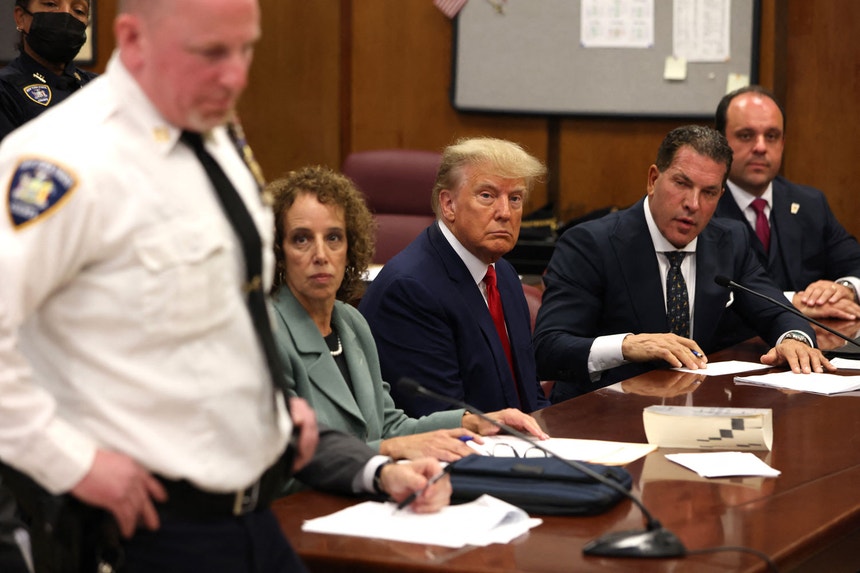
[{"x": 449, "y": 311}]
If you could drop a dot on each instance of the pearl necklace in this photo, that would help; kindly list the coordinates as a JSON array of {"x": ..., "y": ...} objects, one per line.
[{"x": 339, "y": 350}]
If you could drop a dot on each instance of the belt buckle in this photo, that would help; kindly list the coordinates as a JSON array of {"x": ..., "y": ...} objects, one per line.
[{"x": 246, "y": 499}]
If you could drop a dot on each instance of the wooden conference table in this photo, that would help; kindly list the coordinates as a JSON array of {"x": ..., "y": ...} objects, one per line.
[{"x": 807, "y": 519}]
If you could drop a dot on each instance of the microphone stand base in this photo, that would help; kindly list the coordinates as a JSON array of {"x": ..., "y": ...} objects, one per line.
[{"x": 658, "y": 542}]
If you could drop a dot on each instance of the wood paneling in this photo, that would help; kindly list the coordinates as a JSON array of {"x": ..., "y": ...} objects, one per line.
[
  {"x": 334, "y": 76},
  {"x": 823, "y": 91},
  {"x": 604, "y": 162},
  {"x": 291, "y": 108},
  {"x": 401, "y": 76}
]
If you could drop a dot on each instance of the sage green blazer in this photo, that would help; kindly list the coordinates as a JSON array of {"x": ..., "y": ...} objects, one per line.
[{"x": 311, "y": 373}]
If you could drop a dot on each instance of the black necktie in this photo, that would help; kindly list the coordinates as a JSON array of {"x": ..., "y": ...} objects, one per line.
[
  {"x": 252, "y": 247},
  {"x": 677, "y": 303}
]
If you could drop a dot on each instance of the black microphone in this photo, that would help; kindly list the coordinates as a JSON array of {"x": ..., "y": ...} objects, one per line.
[
  {"x": 654, "y": 541},
  {"x": 730, "y": 284}
]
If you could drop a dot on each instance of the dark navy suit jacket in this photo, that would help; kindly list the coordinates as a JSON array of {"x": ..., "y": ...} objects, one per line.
[
  {"x": 603, "y": 279},
  {"x": 807, "y": 242},
  {"x": 431, "y": 324}
]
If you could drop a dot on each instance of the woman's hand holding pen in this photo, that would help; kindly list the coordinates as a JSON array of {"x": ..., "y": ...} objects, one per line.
[{"x": 402, "y": 480}]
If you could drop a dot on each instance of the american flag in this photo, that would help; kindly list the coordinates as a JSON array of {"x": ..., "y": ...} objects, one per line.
[{"x": 450, "y": 7}]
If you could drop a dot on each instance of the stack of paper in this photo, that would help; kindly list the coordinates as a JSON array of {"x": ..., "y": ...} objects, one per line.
[
  {"x": 707, "y": 428},
  {"x": 481, "y": 522}
]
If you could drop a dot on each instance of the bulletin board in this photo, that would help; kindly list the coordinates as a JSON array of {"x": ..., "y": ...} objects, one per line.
[{"x": 526, "y": 57}]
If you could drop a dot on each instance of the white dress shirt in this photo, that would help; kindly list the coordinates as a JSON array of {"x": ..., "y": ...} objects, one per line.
[
  {"x": 476, "y": 267},
  {"x": 122, "y": 320},
  {"x": 605, "y": 351},
  {"x": 744, "y": 201}
]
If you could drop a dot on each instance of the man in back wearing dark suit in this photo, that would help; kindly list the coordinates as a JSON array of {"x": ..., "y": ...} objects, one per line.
[
  {"x": 796, "y": 237},
  {"x": 431, "y": 307},
  {"x": 635, "y": 290}
]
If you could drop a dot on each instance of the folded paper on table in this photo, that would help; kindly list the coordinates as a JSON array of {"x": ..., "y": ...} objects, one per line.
[
  {"x": 657, "y": 468},
  {"x": 705, "y": 428},
  {"x": 481, "y": 522},
  {"x": 594, "y": 451},
  {"x": 814, "y": 382},
  {"x": 724, "y": 464}
]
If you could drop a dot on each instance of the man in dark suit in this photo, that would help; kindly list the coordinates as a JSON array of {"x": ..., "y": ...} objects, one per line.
[
  {"x": 796, "y": 237},
  {"x": 635, "y": 290},
  {"x": 432, "y": 307}
]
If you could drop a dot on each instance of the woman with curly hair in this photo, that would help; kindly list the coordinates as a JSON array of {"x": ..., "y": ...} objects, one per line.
[{"x": 323, "y": 245}]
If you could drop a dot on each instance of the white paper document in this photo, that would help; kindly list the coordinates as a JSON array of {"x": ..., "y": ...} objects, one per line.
[
  {"x": 701, "y": 30},
  {"x": 480, "y": 522},
  {"x": 815, "y": 383},
  {"x": 594, "y": 451},
  {"x": 724, "y": 464},
  {"x": 725, "y": 367},
  {"x": 846, "y": 363},
  {"x": 616, "y": 23}
]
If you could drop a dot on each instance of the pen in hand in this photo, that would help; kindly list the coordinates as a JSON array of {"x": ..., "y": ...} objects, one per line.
[{"x": 414, "y": 495}]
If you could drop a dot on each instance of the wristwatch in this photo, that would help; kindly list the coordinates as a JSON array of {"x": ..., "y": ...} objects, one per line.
[
  {"x": 377, "y": 478},
  {"x": 850, "y": 285},
  {"x": 797, "y": 335}
]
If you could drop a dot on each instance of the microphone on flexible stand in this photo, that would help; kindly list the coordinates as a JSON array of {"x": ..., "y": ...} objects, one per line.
[
  {"x": 730, "y": 284},
  {"x": 654, "y": 541}
]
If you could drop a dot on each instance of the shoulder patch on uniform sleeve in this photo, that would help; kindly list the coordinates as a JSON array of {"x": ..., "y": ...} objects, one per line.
[
  {"x": 39, "y": 93},
  {"x": 37, "y": 188}
]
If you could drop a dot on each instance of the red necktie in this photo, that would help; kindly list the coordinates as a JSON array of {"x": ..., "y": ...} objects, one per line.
[
  {"x": 494, "y": 301},
  {"x": 762, "y": 226}
]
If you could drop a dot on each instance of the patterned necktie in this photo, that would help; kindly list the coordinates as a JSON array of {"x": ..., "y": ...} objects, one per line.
[
  {"x": 494, "y": 302},
  {"x": 677, "y": 303},
  {"x": 762, "y": 226}
]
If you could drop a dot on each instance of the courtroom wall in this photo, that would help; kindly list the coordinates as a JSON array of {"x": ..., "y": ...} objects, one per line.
[{"x": 334, "y": 76}]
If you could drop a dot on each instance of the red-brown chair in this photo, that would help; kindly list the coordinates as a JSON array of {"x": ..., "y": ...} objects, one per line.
[
  {"x": 533, "y": 298},
  {"x": 534, "y": 295},
  {"x": 397, "y": 184}
]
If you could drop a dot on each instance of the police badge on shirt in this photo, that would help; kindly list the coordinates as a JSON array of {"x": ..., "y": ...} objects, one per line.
[
  {"x": 39, "y": 93},
  {"x": 37, "y": 188}
]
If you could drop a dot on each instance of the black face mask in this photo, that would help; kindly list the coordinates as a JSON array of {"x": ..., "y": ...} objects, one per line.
[{"x": 56, "y": 36}]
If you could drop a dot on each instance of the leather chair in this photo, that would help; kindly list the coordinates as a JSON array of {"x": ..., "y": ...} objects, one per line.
[
  {"x": 397, "y": 184},
  {"x": 534, "y": 295}
]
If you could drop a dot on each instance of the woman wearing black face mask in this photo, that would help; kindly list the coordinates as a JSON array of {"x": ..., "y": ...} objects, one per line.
[{"x": 52, "y": 33}]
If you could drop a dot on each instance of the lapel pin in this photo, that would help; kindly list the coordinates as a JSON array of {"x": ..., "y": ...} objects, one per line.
[{"x": 795, "y": 207}]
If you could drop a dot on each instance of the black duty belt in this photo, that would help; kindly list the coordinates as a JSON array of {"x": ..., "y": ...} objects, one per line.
[{"x": 185, "y": 500}]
